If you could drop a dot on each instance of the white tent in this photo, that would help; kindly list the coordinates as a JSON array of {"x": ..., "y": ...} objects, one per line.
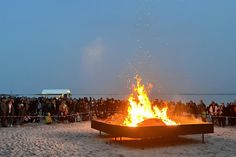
[{"x": 56, "y": 92}]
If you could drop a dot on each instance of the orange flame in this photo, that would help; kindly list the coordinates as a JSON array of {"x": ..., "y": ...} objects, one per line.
[{"x": 140, "y": 107}]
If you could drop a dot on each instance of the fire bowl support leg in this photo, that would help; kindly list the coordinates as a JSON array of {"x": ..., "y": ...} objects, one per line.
[
  {"x": 100, "y": 133},
  {"x": 203, "y": 138}
]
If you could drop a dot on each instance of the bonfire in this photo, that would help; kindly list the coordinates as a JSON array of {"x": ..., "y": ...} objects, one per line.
[
  {"x": 140, "y": 110},
  {"x": 147, "y": 120}
]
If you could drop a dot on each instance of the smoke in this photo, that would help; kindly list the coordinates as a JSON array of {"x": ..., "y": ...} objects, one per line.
[
  {"x": 93, "y": 53},
  {"x": 99, "y": 69}
]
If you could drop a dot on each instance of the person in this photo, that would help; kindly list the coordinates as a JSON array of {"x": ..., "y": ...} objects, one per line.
[
  {"x": 78, "y": 118},
  {"x": 63, "y": 109},
  {"x": 21, "y": 108},
  {"x": 227, "y": 114},
  {"x": 202, "y": 110},
  {"x": 222, "y": 114},
  {"x": 4, "y": 112},
  {"x": 39, "y": 108},
  {"x": 213, "y": 112},
  {"x": 233, "y": 113},
  {"x": 53, "y": 110},
  {"x": 48, "y": 119},
  {"x": 10, "y": 112},
  {"x": 39, "y": 111}
]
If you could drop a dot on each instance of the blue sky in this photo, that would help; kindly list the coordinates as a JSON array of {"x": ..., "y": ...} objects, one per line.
[{"x": 97, "y": 46}]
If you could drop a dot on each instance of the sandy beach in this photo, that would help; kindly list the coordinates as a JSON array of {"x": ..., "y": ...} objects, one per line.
[{"x": 78, "y": 139}]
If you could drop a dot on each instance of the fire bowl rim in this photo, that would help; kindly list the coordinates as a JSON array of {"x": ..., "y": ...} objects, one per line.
[{"x": 152, "y": 131}]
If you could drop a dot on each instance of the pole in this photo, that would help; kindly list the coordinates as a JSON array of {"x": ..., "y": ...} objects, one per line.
[{"x": 203, "y": 138}]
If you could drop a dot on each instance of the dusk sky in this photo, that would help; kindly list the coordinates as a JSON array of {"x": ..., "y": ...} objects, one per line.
[{"x": 97, "y": 46}]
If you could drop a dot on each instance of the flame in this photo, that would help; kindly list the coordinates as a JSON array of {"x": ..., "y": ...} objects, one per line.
[{"x": 140, "y": 107}]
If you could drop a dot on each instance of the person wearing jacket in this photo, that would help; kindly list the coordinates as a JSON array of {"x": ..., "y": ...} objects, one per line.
[
  {"x": 10, "y": 105},
  {"x": 4, "y": 111},
  {"x": 48, "y": 118}
]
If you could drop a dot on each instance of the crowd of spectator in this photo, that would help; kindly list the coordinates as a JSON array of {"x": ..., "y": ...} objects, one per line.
[{"x": 20, "y": 110}]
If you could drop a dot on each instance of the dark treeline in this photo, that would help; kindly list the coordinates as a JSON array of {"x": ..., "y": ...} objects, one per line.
[{"x": 20, "y": 110}]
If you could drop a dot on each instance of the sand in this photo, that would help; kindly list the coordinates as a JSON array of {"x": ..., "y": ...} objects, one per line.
[{"x": 78, "y": 139}]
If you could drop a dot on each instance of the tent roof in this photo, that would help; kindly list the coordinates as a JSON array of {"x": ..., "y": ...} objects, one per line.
[{"x": 55, "y": 91}]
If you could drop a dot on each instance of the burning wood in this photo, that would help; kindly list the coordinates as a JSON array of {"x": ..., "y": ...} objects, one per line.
[
  {"x": 141, "y": 112},
  {"x": 140, "y": 108}
]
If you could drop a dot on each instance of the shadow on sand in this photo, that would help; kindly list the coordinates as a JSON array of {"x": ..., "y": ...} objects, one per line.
[
  {"x": 129, "y": 142},
  {"x": 151, "y": 143}
]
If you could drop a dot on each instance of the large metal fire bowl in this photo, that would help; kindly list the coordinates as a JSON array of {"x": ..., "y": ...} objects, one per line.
[{"x": 152, "y": 131}]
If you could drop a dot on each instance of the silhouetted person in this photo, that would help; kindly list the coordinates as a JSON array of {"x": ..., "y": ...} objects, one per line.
[
  {"x": 11, "y": 114},
  {"x": 4, "y": 112},
  {"x": 222, "y": 114}
]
